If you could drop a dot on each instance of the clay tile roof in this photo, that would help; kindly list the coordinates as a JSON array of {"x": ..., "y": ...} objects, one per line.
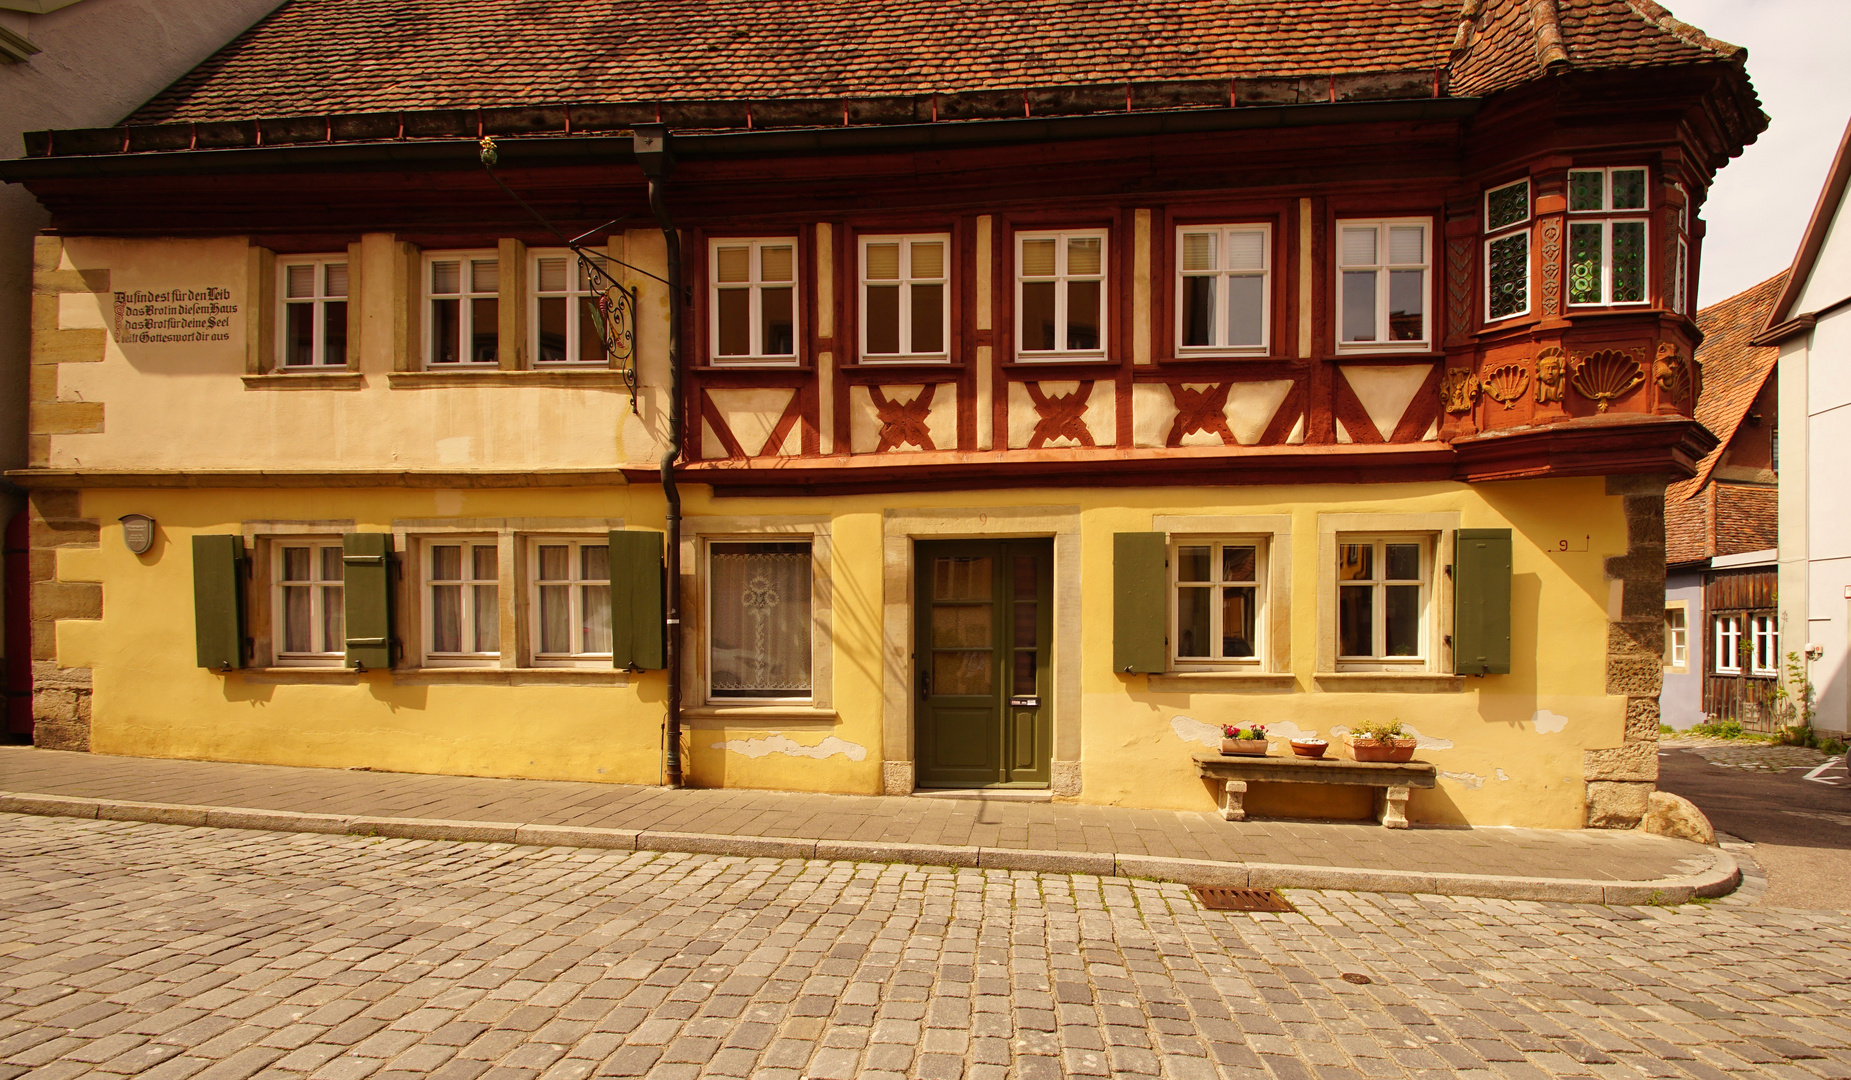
[
  {"x": 314, "y": 57},
  {"x": 1733, "y": 375}
]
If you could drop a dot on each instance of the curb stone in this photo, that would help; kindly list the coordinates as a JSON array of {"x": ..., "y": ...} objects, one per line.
[{"x": 1719, "y": 878}]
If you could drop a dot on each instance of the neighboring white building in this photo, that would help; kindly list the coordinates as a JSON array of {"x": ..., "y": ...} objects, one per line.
[
  {"x": 1811, "y": 323},
  {"x": 77, "y": 64}
]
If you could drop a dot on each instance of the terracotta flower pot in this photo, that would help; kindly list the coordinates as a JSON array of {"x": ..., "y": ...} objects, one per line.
[
  {"x": 1393, "y": 750},
  {"x": 1311, "y": 748},
  {"x": 1244, "y": 747}
]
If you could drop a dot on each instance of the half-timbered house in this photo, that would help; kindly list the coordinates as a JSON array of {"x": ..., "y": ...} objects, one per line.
[{"x": 1010, "y": 395}]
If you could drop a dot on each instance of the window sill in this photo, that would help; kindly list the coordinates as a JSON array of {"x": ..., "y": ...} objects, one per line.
[
  {"x": 1225, "y": 682},
  {"x": 283, "y": 676},
  {"x": 1371, "y": 350},
  {"x": 575, "y": 378},
  {"x": 337, "y": 379},
  {"x": 1190, "y": 356},
  {"x": 757, "y": 716},
  {"x": 1388, "y": 682},
  {"x": 467, "y": 676}
]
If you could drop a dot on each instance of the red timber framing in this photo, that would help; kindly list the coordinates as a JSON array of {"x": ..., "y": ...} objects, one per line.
[{"x": 1554, "y": 391}]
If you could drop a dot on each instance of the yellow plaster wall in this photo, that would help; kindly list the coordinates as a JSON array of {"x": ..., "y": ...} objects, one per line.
[{"x": 1501, "y": 766}]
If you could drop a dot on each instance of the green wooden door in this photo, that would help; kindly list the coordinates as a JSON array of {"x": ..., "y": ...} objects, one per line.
[{"x": 981, "y": 663}]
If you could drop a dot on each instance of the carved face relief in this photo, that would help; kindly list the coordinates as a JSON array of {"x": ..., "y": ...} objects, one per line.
[
  {"x": 1671, "y": 373},
  {"x": 1550, "y": 372}
]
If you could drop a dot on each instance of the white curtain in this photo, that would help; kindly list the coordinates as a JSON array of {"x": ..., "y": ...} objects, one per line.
[{"x": 761, "y": 620}]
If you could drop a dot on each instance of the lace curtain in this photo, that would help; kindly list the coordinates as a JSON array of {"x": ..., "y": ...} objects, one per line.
[{"x": 760, "y": 635}]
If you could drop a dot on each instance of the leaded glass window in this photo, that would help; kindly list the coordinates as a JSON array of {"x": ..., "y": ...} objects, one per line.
[
  {"x": 1628, "y": 262},
  {"x": 1507, "y": 206},
  {"x": 1606, "y": 262},
  {"x": 1507, "y": 260},
  {"x": 1586, "y": 253}
]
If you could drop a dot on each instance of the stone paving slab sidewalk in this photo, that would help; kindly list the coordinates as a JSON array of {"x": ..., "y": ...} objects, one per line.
[{"x": 1191, "y": 848}]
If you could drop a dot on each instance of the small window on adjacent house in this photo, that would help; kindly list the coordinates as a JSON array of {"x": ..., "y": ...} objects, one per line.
[
  {"x": 565, "y": 315},
  {"x": 1222, "y": 288},
  {"x": 1382, "y": 595},
  {"x": 461, "y": 289},
  {"x": 1219, "y": 589},
  {"x": 753, "y": 297},
  {"x": 1607, "y": 255},
  {"x": 905, "y": 309},
  {"x": 1060, "y": 294},
  {"x": 569, "y": 597},
  {"x": 307, "y": 603},
  {"x": 759, "y": 627},
  {"x": 314, "y": 322},
  {"x": 1765, "y": 645},
  {"x": 1382, "y": 283},
  {"x": 1728, "y": 651},
  {"x": 1677, "y": 638},
  {"x": 462, "y": 611},
  {"x": 1507, "y": 251}
]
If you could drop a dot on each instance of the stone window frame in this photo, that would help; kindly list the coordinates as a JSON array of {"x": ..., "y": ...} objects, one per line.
[
  {"x": 1435, "y": 674},
  {"x": 276, "y": 313},
  {"x": 466, "y": 258},
  {"x": 1273, "y": 673},
  {"x": 261, "y": 539}
]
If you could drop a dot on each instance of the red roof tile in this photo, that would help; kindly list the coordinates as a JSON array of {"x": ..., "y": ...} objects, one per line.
[{"x": 355, "y": 56}]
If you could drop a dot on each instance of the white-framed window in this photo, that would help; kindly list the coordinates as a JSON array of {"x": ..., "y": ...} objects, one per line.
[
  {"x": 753, "y": 300},
  {"x": 1383, "y": 588},
  {"x": 1218, "y": 599},
  {"x": 1677, "y": 637},
  {"x": 307, "y": 602},
  {"x": 1060, "y": 305},
  {"x": 569, "y": 601},
  {"x": 462, "y": 305},
  {"x": 1507, "y": 251},
  {"x": 313, "y": 329},
  {"x": 1608, "y": 251},
  {"x": 461, "y": 601},
  {"x": 1382, "y": 284},
  {"x": 564, "y": 314},
  {"x": 1764, "y": 643},
  {"x": 905, "y": 297},
  {"x": 760, "y": 632},
  {"x": 1223, "y": 288},
  {"x": 1727, "y": 655}
]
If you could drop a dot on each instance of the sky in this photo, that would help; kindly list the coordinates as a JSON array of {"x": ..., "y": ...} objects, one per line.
[{"x": 1761, "y": 201}]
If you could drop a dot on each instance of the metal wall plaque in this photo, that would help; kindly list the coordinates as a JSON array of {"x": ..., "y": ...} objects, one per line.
[{"x": 137, "y": 532}]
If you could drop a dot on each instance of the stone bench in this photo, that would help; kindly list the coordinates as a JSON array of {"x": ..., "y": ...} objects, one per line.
[{"x": 1393, "y": 779}]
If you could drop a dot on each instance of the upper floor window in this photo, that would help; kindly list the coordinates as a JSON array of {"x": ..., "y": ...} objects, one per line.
[
  {"x": 565, "y": 313},
  {"x": 1219, "y": 587},
  {"x": 1607, "y": 243},
  {"x": 753, "y": 300},
  {"x": 904, "y": 313},
  {"x": 1222, "y": 288},
  {"x": 314, "y": 322},
  {"x": 1382, "y": 283},
  {"x": 461, "y": 289},
  {"x": 1382, "y": 592},
  {"x": 1507, "y": 251},
  {"x": 1060, "y": 294},
  {"x": 308, "y": 602}
]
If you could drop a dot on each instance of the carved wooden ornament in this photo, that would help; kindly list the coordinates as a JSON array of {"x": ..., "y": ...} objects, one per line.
[
  {"x": 1459, "y": 390},
  {"x": 1671, "y": 372},
  {"x": 1506, "y": 383},
  {"x": 1606, "y": 376},
  {"x": 1551, "y": 372}
]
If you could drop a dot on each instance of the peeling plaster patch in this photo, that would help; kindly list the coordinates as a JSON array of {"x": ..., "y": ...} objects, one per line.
[
  {"x": 1421, "y": 742},
  {"x": 1500, "y": 774},
  {"x": 782, "y": 744},
  {"x": 1548, "y": 723},
  {"x": 1191, "y": 730},
  {"x": 1466, "y": 779}
]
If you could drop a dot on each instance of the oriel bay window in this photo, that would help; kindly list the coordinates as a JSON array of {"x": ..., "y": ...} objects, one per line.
[
  {"x": 464, "y": 309},
  {"x": 1382, "y": 283},
  {"x": 308, "y": 603},
  {"x": 1606, "y": 249},
  {"x": 1060, "y": 294},
  {"x": 570, "y": 601},
  {"x": 461, "y": 606},
  {"x": 904, "y": 314},
  {"x": 753, "y": 300},
  {"x": 1222, "y": 288},
  {"x": 1219, "y": 590},
  {"x": 1507, "y": 251},
  {"x": 565, "y": 311},
  {"x": 759, "y": 621},
  {"x": 1382, "y": 593},
  {"x": 314, "y": 323}
]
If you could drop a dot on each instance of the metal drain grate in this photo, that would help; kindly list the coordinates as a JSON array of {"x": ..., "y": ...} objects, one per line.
[{"x": 1242, "y": 900}]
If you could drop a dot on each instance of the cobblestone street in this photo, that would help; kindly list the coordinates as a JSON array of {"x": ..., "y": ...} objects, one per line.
[{"x": 169, "y": 953}]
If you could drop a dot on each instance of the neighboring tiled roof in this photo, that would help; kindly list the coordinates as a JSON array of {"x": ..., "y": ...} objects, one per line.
[
  {"x": 1733, "y": 375},
  {"x": 315, "y": 57},
  {"x": 1747, "y": 518}
]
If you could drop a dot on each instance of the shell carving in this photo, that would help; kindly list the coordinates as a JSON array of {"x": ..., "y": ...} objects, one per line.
[
  {"x": 1506, "y": 383},
  {"x": 1671, "y": 373},
  {"x": 1606, "y": 376},
  {"x": 1458, "y": 390},
  {"x": 1551, "y": 373}
]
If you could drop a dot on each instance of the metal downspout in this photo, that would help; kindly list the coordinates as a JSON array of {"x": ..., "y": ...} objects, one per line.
[{"x": 652, "y": 153}]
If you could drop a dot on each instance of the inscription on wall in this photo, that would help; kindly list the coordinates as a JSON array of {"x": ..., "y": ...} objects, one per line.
[{"x": 177, "y": 316}]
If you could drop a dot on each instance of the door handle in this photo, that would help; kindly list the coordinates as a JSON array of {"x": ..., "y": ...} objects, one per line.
[{"x": 925, "y": 686}]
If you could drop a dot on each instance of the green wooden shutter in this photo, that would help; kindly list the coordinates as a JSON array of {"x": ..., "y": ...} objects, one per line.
[
  {"x": 637, "y": 600},
  {"x": 367, "y": 560},
  {"x": 1481, "y": 602},
  {"x": 1140, "y": 604},
  {"x": 218, "y": 600}
]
